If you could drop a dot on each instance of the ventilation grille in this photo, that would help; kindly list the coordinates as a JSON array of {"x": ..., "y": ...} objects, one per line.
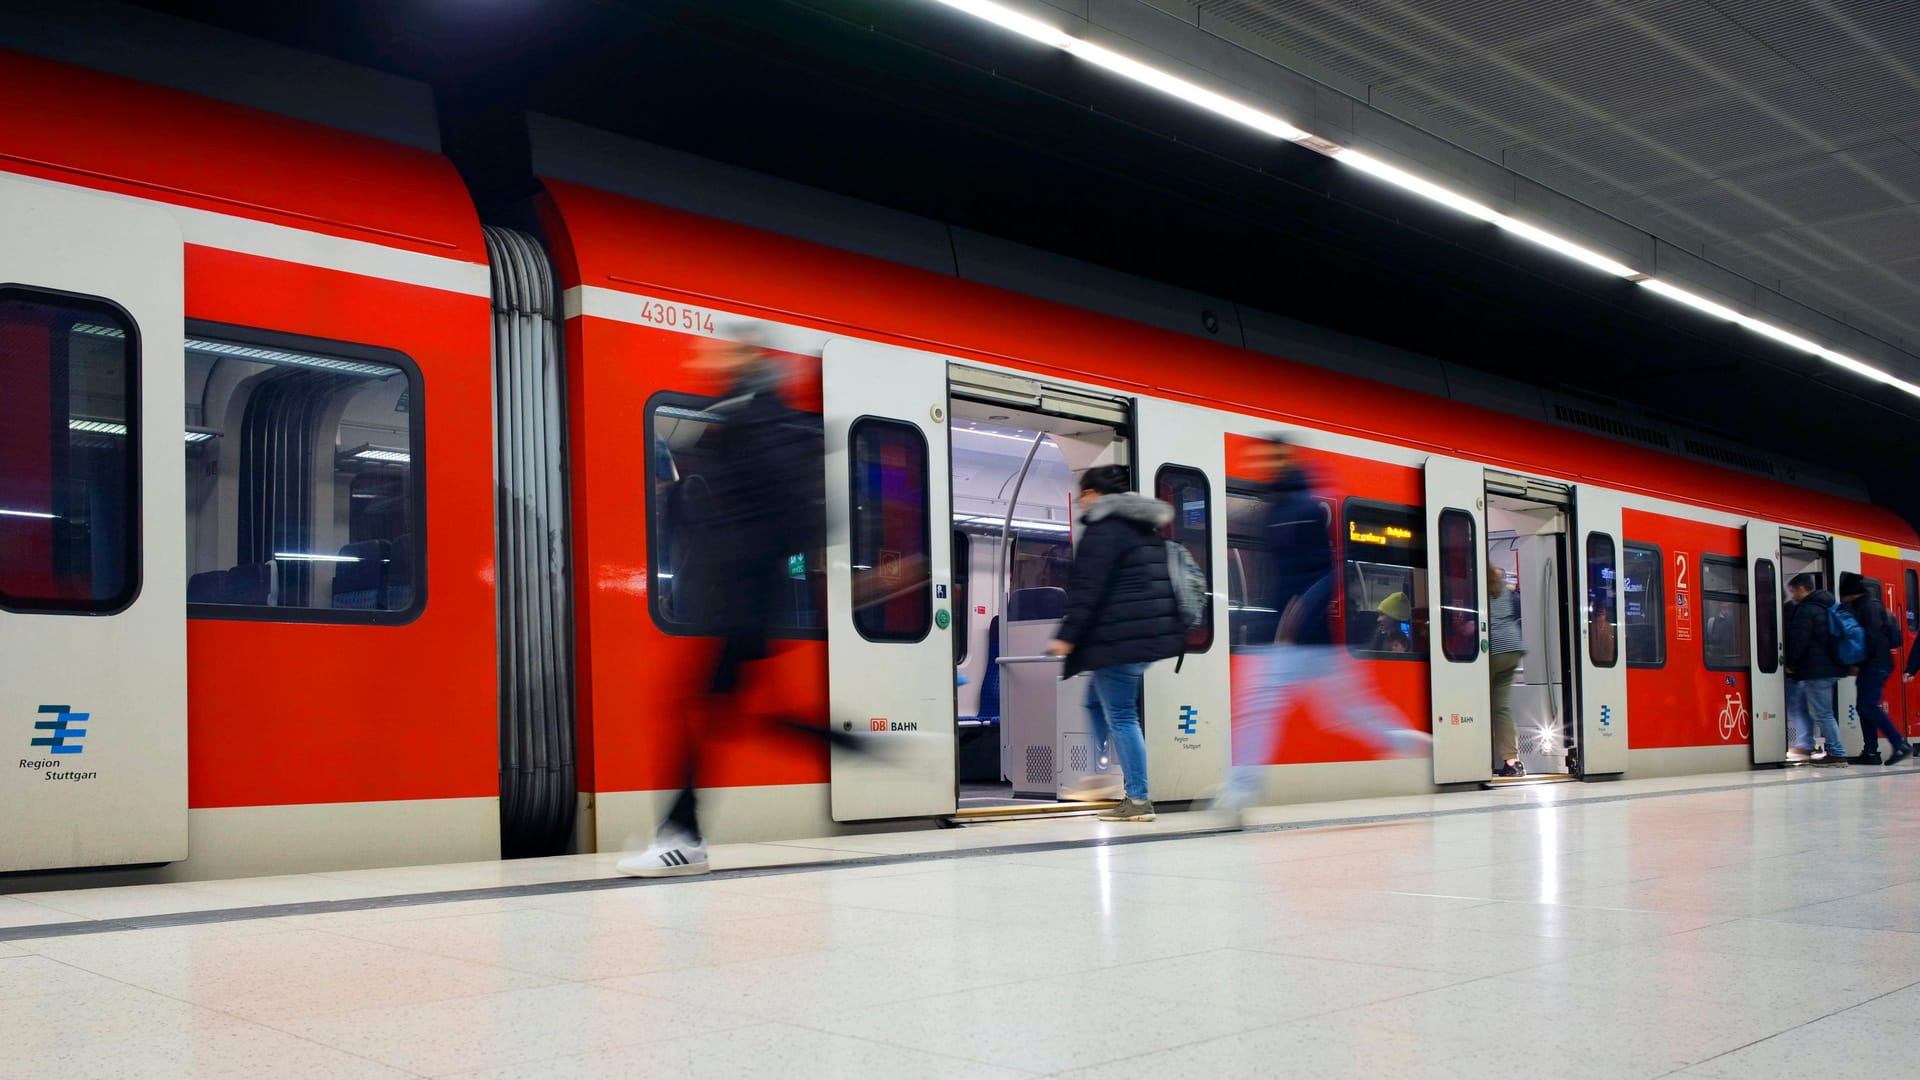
[
  {"x": 1619, "y": 429},
  {"x": 1040, "y": 765},
  {"x": 1727, "y": 456},
  {"x": 1079, "y": 758}
]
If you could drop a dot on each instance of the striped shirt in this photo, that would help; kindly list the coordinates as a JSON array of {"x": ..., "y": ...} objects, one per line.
[{"x": 1504, "y": 611}]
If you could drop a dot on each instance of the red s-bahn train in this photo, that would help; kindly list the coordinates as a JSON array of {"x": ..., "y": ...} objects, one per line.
[{"x": 420, "y": 580}]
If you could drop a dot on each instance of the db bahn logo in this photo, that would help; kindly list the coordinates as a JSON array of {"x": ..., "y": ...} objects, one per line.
[{"x": 62, "y": 734}]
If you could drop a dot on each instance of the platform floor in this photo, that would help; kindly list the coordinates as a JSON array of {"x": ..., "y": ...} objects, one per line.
[{"x": 1747, "y": 926}]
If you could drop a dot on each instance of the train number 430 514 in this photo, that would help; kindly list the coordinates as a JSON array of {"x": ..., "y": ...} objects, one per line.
[{"x": 677, "y": 318}]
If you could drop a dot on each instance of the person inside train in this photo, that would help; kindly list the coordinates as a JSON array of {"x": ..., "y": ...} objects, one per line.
[
  {"x": 1813, "y": 671},
  {"x": 1507, "y": 648},
  {"x": 1291, "y": 652},
  {"x": 1121, "y": 616},
  {"x": 1393, "y": 625},
  {"x": 757, "y": 490},
  {"x": 1862, "y": 597}
]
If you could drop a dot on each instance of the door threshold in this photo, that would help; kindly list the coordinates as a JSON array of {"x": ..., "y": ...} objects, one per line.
[
  {"x": 1037, "y": 809},
  {"x": 1531, "y": 780}
]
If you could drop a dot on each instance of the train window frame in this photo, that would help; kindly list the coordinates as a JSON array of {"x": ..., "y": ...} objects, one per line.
[
  {"x": 1415, "y": 515},
  {"x": 133, "y": 490},
  {"x": 1658, "y": 585},
  {"x": 1613, "y": 565},
  {"x": 962, "y": 555},
  {"x": 1769, "y": 608},
  {"x": 1911, "y": 616},
  {"x": 1476, "y": 561},
  {"x": 924, "y": 615},
  {"x": 681, "y": 399},
  {"x": 416, "y": 392},
  {"x": 1199, "y": 639},
  {"x": 1744, "y": 599}
]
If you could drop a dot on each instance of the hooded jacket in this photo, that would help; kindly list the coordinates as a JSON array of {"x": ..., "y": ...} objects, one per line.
[
  {"x": 1121, "y": 607},
  {"x": 1868, "y": 608},
  {"x": 1809, "y": 643}
]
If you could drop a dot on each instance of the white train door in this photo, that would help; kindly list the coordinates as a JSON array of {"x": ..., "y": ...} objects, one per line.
[
  {"x": 1182, "y": 450},
  {"x": 1457, "y": 627},
  {"x": 1846, "y": 560},
  {"x": 1600, "y": 653},
  {"x": 1767, "y": 712},
  {"x": 93, "y": 665},
  {"x": 890, "y": 679}
]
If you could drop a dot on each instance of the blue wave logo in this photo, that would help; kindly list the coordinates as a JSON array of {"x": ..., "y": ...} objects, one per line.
[{"x": 63, "y": 732}]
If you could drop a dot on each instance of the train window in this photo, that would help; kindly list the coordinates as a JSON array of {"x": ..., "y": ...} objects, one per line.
[
  {"x": 962, "y": 614},
  {"x": 1460, "y": 597},
  {"x": 1643, "y": 591},
  {"x": 891, "y": 531},
  {"x": 1766, "y": 594},
  {"x": 1385, "y": 545},
  {"x": 1040, "y": 562},
  {"x": 1913, "y": 600},
  {"x": 304, "y": 500},
  {"x": 1603, "y": 643},
  {"x": 691, "y": 505},
  {"x": 1249, "y": 622},
  {"x": 1187, "y": 490},
  {"x": 1723, "y": 604},
  {"x": 69, "y": 454}
]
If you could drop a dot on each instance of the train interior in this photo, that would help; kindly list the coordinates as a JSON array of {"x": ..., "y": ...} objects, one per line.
[
  {"x": 1023, "y": 739},
  {"x": 1527, "y": 541}
]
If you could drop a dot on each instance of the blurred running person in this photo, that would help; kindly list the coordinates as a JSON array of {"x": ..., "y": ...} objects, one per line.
[
  {"x": 1121, "y": 616},
  {"x": 1290, "y": 651},
  {"x": 1862, "y": 597},
  {"x": 1813, "y": 670},
  {"x": 758, "y": 488},
  {"x": 1507, "y": 648}
]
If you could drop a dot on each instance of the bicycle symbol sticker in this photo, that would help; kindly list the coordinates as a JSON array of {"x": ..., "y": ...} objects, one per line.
[{"x": 1733, "y": 717}]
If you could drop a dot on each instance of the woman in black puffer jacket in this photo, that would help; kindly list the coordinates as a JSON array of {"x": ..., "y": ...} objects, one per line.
[{"x": 1121, "y": 616}]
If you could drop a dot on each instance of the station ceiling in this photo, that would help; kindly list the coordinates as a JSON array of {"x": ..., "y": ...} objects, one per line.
[{"x": 1779, "y": 139}]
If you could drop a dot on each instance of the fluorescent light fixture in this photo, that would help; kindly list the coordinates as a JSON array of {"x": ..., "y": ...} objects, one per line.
[
  {"x": 1028, "y": 439},
  {"x": 1373, "y": 166},
  {"x": 1692, "y": 300},
  {"x": 1784, "y": 337},
  {"x": 1568, "y": 248},
  {"x": 97, "y": 427},
  {"x": 370, "y": 452},
  {"x": 1008, "y": 19},
  {"x": 301, "y": 556},
  {"x": 1030, "y": 526},
  {"x": 294, "y": 359},
  {"x": 28, "y": 514},
  {"x": 92, "y": 330},
  {"x": 199, "y": 436},
  {"x": 1192, "y": 93}
]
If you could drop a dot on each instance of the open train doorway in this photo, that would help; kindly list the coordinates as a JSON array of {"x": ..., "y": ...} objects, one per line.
[
  {"x": 1528, "y": 527},
  {"x": 1024, "y": 744}
]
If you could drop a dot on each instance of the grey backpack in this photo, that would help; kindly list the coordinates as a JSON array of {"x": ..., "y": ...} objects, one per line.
[{"x": 1189, "y": 585}]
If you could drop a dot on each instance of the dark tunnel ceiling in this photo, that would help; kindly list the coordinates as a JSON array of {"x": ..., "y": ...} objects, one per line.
[{"x": 911, "y": 106}]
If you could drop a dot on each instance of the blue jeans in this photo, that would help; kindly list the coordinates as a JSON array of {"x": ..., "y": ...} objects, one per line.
[
  {"x": 1799, "y": 724},
  {"x": 1874, "y": 721},
  {"x": 1113, "y": 704},
  {"x": 1817, "y": 706}
]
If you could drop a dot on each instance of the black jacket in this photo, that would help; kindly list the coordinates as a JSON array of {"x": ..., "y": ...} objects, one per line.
[
  {"x": 1809, "y": 644},
  {"x": 1881, "y": 633},
  {"x": 1120, "y": 602},
  {"x": 1294, "y": 562}
]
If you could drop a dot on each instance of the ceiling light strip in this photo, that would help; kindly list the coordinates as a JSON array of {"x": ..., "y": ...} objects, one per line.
[{"x": 1219, "y": 104}]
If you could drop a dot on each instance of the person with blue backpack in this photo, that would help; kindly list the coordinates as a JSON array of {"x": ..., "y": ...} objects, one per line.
[
  {"x": 1817, "y": 636},
  {"x": 1881, "y": 642}
]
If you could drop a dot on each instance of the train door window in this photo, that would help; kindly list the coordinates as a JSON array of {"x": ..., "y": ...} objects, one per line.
[
  {"x": 1460, "y": 562},
  {"x": 69, "y": 454},
  {"x": 1187, "y": 491},
  {"x": 962, "y": 615},
  {"x": 1766, "y": 594},
  {"x": 1643, "y": 591},
  {"x": 1913, "y": 598},
  {"x": 694, "y": 505},
  {"x": 304, "y": 500},
  {"x": 1603, "y": 645},
  {"x": 1249, "y": 620},
  {"x": 891, "y": 531},
  {"x": 1385, "y": 546},
  {"x": 1723, "y": 604}
]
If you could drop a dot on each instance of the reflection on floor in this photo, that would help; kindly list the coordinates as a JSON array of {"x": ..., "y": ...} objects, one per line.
[{"x": 1737, "y": 926}]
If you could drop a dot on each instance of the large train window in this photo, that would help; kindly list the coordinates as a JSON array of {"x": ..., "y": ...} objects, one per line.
[
  {"x": 1723, "y": 604},
  {"x": 1766, "y": 593},
  {"x": 892, "y": 531},
  {"x": 1385, "y": 545},
  {"x": 1603, "y": 642},
  {"x": 1187, "y": 491},
  {"x": 1460, "y": 560},
  {"x": 694, "y": 507},
  {"x": 1643, "y": 589},
  {"x": 69, "y": 454},
  {"x": 304, "y": 494}
]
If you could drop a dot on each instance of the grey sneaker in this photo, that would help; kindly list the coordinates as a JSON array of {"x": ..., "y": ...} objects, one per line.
[{"x": 1128, "y": 810}]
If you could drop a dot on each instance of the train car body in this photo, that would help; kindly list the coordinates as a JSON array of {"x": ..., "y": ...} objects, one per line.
[{"x": 288, "y": 641}]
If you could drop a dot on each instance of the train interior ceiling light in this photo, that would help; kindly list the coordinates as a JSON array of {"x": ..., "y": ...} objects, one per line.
[{"x": 1259, "y": 120}]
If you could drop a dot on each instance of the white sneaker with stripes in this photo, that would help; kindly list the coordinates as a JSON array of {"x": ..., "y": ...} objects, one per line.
[{"x": 673, "y": 854}]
